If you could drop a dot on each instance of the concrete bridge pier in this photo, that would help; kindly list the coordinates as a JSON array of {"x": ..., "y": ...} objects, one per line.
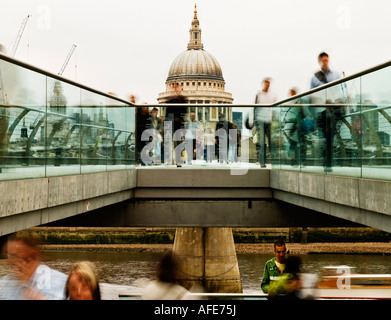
[{"x": 207, "y": 257}]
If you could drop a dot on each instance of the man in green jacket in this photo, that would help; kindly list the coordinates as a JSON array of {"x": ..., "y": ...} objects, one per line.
[{"x": 274, "y": 267}]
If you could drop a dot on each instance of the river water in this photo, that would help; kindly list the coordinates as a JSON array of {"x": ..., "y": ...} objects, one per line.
[{"x": 135, "y": 269}]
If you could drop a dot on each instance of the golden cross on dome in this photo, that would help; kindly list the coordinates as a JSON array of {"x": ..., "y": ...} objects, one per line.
[{"x": 195, "y": 11}]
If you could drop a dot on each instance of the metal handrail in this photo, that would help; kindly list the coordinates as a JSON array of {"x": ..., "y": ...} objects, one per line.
[
  {"x": 57, "y": 77},
  {"x": 322, "y": 87}
]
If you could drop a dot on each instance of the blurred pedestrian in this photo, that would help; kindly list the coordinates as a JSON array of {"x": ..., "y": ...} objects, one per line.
[
  {"x": 132, "y": 99},
  {"x": 165, "y": 286},
  {"x": 142, "y": 123},
  {"x": 275, "y": 266},
  {"x": 222, "y": 138},
  {"x": 263, "y": 119},
  {"x": 192, "y": 126},
  {"x": 210, "y": 142},
  {"x": 300, "y": 123},
  {"x": 328, "y": 122},
  {"x": 289, "y": 285},
  {"x": 82, "y": 283},
  {"x": 325, "y": 75},
  {"x": 157, "y": 124},
  {"x": 176, "y": 115},
  {"x": 31, "y": 279},
  {"x": 233, "y": 142}
]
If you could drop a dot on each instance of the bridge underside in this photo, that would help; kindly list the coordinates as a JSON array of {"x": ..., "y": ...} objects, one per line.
[
  {"x": 201, "y": 213},
  {"x": 190, "y": 197}
]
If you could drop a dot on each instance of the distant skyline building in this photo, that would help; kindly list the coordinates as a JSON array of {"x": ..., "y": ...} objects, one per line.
[{"x": 200, "y": 77}]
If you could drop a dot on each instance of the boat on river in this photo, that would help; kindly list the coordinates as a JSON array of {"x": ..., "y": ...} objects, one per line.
[{"x": 340, "y": 283}]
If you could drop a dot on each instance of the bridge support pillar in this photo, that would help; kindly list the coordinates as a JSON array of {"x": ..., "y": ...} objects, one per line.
[{"x": 207, "y": 257}]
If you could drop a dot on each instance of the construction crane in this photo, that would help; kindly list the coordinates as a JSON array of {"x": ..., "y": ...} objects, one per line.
[
  {"x": 19, "y": 36},
  {"x": 67, "y": 60},
  {"x": 3, "y": 95}
]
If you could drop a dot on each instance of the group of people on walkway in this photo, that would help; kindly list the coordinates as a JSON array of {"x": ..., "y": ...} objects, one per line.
[
  {"x": 206, "y": 146},
  {"x": 306, "y": 120},
  {"x": 200, "y": 141}
]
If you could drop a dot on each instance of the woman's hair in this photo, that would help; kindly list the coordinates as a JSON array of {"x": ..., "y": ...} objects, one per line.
[
  {"x": 167, "y": 268},
  {"x": 86, "y": 271}
]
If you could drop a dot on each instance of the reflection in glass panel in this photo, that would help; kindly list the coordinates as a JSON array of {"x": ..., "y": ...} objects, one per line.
[
  {"x": 341, "y": 128},
  {"x": 63, "y": 128},
  {"x": 120, "y": 135},
  {"x": 94, "y": 133},
  {"x": 291, "y": 140},
  {"x": 278, "y": 136},
  {"x": 200, "y": 113},
  {"x": 311, "y": 140},
  {"x": 22, "y": 122},
  {"x": 130, "y": 130},
  {"x": 207, "y": 118},
  {"x": 298, "y": 138},
  {"x": 376, "y": 124}
]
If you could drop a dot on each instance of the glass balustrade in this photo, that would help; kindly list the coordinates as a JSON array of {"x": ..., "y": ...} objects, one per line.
[
  {"x": 343, "y": 129},
  {"x": 51, "y": 126}
]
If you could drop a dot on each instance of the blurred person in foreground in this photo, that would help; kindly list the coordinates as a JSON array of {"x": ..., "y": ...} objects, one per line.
[
  {"x": 30, "y": 279},
  {"x": 274, "y": 267},
  {"x": 82, "y": 283},
  {"x": 289, "y": 285},
  {"x": 263, "y": 119},
  {"x": 165, "y": 286},
  {"x": 325, "y": 74}
]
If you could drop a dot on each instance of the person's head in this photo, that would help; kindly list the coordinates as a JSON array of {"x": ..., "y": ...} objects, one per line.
[
  {"x": 154, "y": 112},
  {"x": 82, "y": 283},
  {"x": 293, "y": 265},
  {"x": 266, "y": 84},
  {"x": 280, "y": 251},
  {"x": 22, "y": 251},
  {"x": 221, "y": 117},
  {"x": 177, "y": 88},
  {"x": 192, "y": 116},
  {"x": 144, "y": 110},
  {"x": 323, "y": 60},
  {"x": 167, "y": 268},
  {"x": 132, "y": 98},
  {"x": 293, "y": 91}
]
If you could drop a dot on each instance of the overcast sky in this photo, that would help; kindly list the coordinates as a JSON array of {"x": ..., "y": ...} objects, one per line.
[{"x": 128, "y": 46}]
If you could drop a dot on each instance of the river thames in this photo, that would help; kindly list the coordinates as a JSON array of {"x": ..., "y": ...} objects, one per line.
[{"x": 136, "y": 269}]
